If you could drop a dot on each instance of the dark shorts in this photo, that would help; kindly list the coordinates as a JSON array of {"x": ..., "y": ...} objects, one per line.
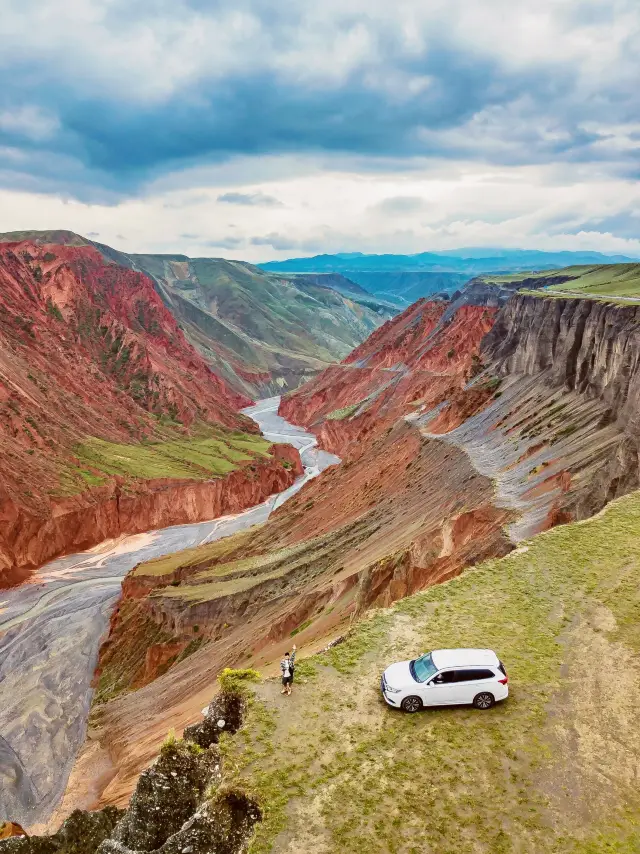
[{"x": 287, "y": 680}]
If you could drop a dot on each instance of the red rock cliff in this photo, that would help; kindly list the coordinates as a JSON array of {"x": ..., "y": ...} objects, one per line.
[
  {"x": 414, "y": 362},
  {"x": 87, "y": 350}
]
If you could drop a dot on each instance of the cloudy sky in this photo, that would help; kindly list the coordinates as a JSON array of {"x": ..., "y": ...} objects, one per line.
[{"x": 260, "y": 129}]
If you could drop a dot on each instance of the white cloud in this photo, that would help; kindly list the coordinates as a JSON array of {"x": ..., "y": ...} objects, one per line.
[{"x": 323, "y": 210}]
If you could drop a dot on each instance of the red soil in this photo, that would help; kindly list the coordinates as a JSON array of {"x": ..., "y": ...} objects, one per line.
[
  {"x": 414, "y": 361},
  {"x": 87, "y": 348}
]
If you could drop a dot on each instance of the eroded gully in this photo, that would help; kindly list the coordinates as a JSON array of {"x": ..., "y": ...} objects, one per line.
[{"x": 51, "y": 627}]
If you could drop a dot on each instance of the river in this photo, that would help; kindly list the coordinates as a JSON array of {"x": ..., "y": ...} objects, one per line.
[{"x": 51, "y": 627}]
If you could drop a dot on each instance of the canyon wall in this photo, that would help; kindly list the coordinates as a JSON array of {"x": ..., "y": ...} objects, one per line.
[
  {"x": 463, "y": 431},
  {"x": 414, "y": 362},
  {"x": 585, "y": 346},
  {"x": 79, "y": 522},
  {"x": 89, "y": 353}
]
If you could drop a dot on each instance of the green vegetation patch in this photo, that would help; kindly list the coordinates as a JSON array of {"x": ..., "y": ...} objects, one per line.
[
  {"x": 335, "y": 770},
  {"x": 209, "y": 591},
  {"x": 192, "y": 459},
  {"x": 194, "y": 556},
  {"x": 603, "y": 281},
  {"x": 237, "y": 681},
  {"x": 345, "y": 412}
]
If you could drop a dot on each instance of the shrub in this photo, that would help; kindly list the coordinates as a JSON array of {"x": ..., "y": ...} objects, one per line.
[
  {"x": 53, "y": 310},
  {"x": 237, "y": 681}
]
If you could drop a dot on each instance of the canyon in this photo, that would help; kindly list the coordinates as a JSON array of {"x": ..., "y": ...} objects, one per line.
[
  {"x": 262, "y": 333},
  {"x": 50, "y": 630},
  {"x": 113, "y": 418},
  {"x": 457, "y": 443},
  {"x": 465, "y": 428}
]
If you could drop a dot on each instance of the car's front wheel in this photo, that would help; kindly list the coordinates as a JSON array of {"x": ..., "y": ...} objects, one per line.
[
  {"x": 484, "y": 700},
  {"x": 411, "y": 704}
]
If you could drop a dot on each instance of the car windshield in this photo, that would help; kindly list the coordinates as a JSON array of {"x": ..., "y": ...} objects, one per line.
[{"x": 423, "y": 668}]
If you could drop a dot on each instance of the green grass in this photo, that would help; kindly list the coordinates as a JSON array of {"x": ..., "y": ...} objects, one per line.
[
  {"x": 193, "y": 459},
  {"x": 212, "y": 590},
  {"x": 341, "y": 414},
  {"x": 606, "y": 281},
  {"x": 550, "y": 770},
  {"x": 210, "y": 453}
]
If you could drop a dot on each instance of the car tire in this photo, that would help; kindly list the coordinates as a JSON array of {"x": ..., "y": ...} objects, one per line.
[
  {"x": 484, "y": 700},
  {"x": 411, "y": 704}
]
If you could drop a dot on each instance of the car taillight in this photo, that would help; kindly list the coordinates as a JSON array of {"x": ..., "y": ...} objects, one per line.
[{"x": 503, "y": 681}]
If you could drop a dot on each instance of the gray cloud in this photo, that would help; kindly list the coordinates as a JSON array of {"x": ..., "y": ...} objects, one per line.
[
  {"x": 253, "y": 199},
  {"x": 197, "y": 94},
  {"x": 402, "y": 205},
  {"x": 228, "y": 242},
  {"x": 283, "y": 243},
  {"x": 96, "y": 111}
]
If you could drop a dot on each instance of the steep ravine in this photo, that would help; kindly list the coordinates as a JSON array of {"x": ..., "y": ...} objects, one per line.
[{"x": 50, "y": 630}]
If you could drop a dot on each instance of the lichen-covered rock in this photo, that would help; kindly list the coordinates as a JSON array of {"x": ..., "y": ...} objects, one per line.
[
  {"x": 81, "y": 833},
  {"x": 220, "y": 826},
  {"x": 225, "y": 714},
  {"x": 167, "y": 794}
]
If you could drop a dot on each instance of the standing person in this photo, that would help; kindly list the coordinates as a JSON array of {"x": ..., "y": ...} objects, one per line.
[{"x": 286, "y": 666}]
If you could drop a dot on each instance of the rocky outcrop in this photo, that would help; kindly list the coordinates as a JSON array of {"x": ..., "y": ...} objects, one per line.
[
  {"x": 109, "y": 511},
  {"x": 81, "y": 833},
  {"x": 179, "y": 805}
]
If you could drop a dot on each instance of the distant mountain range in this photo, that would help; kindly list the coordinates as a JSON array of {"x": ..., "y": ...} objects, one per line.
[{"x": 401, "y": 279}]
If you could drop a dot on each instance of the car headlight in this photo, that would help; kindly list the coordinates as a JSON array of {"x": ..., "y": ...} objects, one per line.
[{"x": 391, "y": 690}]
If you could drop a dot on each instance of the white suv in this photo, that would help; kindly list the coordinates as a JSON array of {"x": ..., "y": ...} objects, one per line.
[{"x": 446, "y": 677}]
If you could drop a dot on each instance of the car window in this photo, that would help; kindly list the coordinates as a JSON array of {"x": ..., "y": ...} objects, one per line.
[
  {"x": 501, "y": 668},
  {"x": 445, "y": 678},
  {"x": 473, "y": 674},
  {"x": 423, "y": 668}
]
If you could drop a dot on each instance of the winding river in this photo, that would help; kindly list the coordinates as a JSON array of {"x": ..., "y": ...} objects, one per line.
[{"x": 51, "y": 627}]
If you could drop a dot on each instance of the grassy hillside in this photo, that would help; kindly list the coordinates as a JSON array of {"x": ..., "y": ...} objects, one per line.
[
  {"x": 553, "y": 769},
  {"x": 215, "y": 455},
  {"x": 262, "y": 332},
  {"x": 604, "y": 280}
]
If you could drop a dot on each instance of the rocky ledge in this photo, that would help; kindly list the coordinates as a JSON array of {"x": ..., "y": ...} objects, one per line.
[{"x": 180, "y": 804}]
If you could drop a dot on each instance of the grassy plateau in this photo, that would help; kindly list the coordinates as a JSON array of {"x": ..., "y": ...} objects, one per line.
[
  {"x": 185, "y": 459},
  {"x": 603, "y": 281},
  {"x": 553, "y": 769}
]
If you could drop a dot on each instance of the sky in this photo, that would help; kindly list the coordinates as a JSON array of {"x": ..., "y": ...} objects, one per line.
[{"x": 262, "y": 130}]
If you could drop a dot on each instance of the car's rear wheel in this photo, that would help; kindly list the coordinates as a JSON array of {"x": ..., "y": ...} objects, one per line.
[
  {"x": 484, "y": 700},
  {"x": 411, "y": 704}
]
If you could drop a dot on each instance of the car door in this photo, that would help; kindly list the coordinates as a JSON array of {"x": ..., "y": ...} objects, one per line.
[
  {"x": 440, "y": 690},
  {"x": 470, "y": 681}
]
